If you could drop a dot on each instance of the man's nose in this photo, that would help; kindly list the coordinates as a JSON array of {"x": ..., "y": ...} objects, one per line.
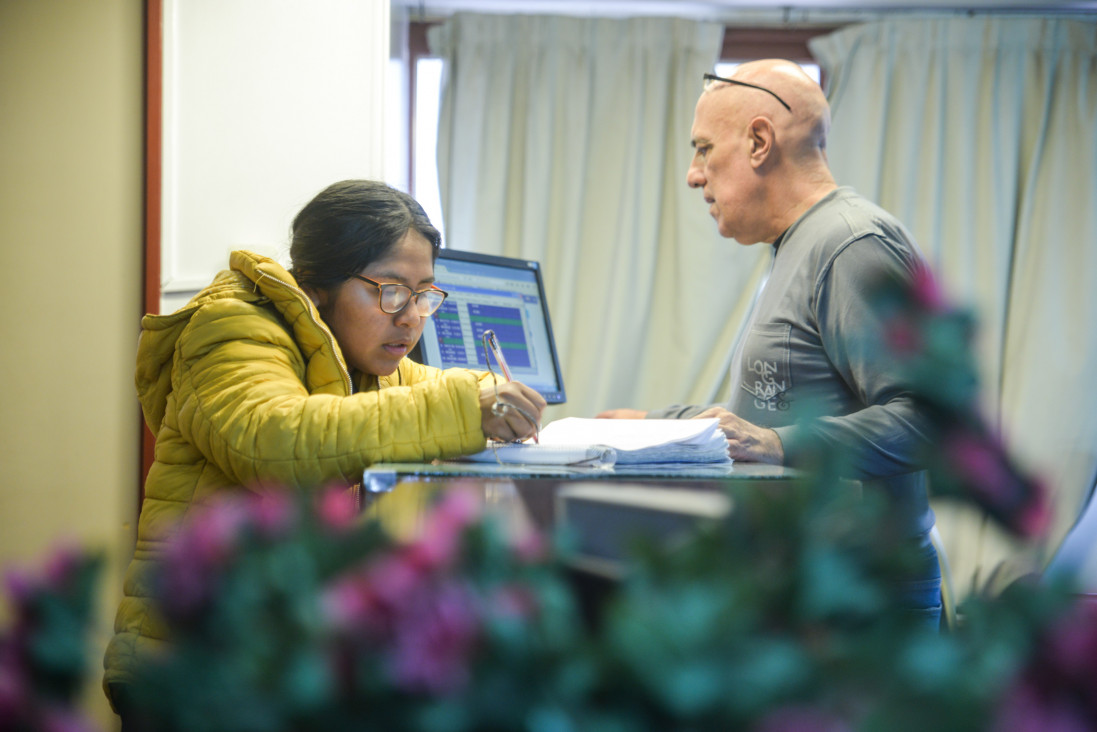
[{"x": 694, "y": 177}]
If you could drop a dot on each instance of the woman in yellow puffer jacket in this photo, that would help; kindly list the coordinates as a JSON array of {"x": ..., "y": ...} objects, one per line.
[{"x": 271, "y": 378}]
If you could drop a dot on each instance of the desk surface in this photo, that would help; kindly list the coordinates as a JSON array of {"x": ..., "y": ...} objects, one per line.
[
  {"x": 400, "y": 493},
  {"x": 381, "y": 476}
]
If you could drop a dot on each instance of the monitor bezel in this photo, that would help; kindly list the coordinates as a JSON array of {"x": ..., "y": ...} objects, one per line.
[{"x": 556, "y": 397}]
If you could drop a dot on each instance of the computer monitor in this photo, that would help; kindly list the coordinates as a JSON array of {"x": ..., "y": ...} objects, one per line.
[{"x": 503, "y": 294}]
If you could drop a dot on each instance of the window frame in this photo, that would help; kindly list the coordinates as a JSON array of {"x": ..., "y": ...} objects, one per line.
[{"x": 418, "y": 48}]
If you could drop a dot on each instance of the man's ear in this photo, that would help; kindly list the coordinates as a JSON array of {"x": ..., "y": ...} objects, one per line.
[{"x": 762, "y": 135}]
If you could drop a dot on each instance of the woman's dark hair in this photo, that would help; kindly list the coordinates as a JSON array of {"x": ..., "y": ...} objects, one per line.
[{"x": 349, "y": 225}]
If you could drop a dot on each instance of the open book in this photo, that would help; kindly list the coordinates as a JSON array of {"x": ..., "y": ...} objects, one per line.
[{"x": 606, "y": 442}]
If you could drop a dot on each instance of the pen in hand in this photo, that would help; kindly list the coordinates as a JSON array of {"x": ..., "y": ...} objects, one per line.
[
  {"x": 492, "y": 344},
  {"x": 496, "y": 351}
]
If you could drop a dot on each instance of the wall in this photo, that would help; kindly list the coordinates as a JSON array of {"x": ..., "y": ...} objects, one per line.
[
  {"x": 289, "y": 105},
  {"x": 265, "y": 103},
  {"x": 71, "y": 141}
]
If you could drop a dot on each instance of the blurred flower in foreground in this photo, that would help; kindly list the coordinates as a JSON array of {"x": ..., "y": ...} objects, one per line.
[
  {"x": 801, "y": 719},
  {"x": 303, "y": 614},
  {"x": 403, "y": 605},
  {"x": 1057, "y": 689},
  {"x": 44, "y": 654},
  {"x": 931, "y": 341},
  {"x": 975, "y": 463}
]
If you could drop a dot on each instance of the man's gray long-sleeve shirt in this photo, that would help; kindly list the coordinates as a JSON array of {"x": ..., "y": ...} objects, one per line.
[{"x": 814, "y": 347}]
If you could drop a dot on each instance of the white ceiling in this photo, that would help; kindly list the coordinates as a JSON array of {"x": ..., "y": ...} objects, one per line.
[{"x": 780, "y": 10}]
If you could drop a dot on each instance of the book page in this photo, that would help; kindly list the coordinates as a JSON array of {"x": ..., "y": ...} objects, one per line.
[{"x": 632, "y": 434}]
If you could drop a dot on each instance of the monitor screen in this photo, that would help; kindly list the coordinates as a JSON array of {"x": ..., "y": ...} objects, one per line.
[{"x": 502, "y": 294}]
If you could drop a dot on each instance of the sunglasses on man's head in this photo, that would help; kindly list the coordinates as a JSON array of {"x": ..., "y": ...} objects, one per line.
[{"x": 711, "y": 78}]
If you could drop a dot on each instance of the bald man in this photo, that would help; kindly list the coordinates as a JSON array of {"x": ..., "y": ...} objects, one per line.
[{"x": 812, "y": 344}]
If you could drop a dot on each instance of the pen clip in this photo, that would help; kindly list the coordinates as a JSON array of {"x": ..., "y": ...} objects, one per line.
[
  {"x": 491, "y": 348},
  {"x": 493, "y": 345}
]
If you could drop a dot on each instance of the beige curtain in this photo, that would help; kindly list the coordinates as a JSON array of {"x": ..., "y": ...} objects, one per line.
[
  {"x": 981, "y": 135},
  {"x": 566, "y": 141}
]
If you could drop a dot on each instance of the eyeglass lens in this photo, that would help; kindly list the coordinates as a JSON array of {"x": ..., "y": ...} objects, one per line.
[{"x": 394, "y": 297}]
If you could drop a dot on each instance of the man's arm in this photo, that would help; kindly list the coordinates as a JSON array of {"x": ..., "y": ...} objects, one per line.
[
  {"x": 678, "y": 411},
  {"x": 675, "y": 411},
  {"x": 888, "y": 435}
]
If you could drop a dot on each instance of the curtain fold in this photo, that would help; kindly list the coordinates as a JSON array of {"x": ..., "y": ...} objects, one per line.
[
  {"x": 981, "y": 135},
  {"x": 566, "y": 140}
]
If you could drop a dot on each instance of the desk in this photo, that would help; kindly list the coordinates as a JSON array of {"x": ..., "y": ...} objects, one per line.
[
  {"x": 529, "y": 498},
  {"x": 383, "y": 477},
  {"x": 396, "y": 492}
]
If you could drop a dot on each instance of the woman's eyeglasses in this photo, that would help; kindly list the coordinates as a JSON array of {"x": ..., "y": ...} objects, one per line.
[{"x": 395, "y": 297}]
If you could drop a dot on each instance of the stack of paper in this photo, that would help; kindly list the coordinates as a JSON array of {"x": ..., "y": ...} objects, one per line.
[
  {"x": 584, "y": 456},
  {"x": 577, "y": 441},
  {"x": 645, "y": 440}
]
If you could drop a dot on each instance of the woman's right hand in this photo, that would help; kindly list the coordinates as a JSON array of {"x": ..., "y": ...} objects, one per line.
[{"x": 507, "y": 423}]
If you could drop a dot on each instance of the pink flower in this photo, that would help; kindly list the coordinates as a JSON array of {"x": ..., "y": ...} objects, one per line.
[
  {"x": 65, "y": 720},
  {"x": 186, "y": 584},
  {"x": 435, "y": 641},
  {"x": 529, "y": 546},
  {"x": 13, "y": 691},
  {"x": 1035, "y": 516},
  {"x": 21, "y": 586},
  {"x": 351, "y": 605},
  {"x": 459, "y": 507},
  {"x": 394, "y": 578},
  {"x": 801, "y": 719},
  {"x": 1024, "y": 709},
  {"x": 442, "y": 529},
  {"x": 274, "y": 513},
  {"x": 926, "y": 291},
  {"x": 207, "y": 542},
  {"x": 1058, "y": 689},
  {"x": 977, "y": 460},
  {"x": 981, "y": 464},
  {"x": 902, "y": 336},
  {"x": 514, "y": 601},
  {"x": 336, "y": 508},
  {"x": 62, "y": 564},
  {"x": 1072, "y": 644},
  {"x": 213, "y": 532},
  {"x": 60, "y": 567}
]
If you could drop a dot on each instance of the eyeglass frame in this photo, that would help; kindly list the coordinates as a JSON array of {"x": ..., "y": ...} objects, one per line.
[
  {"x": 714, "y": 77},
  {"x": 415, "y": 295}
]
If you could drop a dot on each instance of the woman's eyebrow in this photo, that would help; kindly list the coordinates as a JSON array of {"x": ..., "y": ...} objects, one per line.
[{"x": 400, "y": 278}]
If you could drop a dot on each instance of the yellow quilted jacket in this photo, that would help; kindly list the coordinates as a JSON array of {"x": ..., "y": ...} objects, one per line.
[{"x": 245, "y": 388}]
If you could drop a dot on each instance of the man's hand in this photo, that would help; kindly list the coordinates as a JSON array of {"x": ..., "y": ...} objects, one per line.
[
  {"x": 622, "y": 414},
  {"x": 747, "y": 442}
]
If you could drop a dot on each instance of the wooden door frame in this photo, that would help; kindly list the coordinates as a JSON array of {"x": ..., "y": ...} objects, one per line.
[{"x": 154, "y": 105}]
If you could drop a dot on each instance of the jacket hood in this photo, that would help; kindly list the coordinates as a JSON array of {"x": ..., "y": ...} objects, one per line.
[{"x": 251, "y": 278}]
